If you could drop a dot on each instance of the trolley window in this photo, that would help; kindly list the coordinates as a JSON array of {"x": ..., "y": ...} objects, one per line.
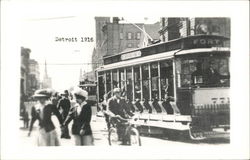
[
  {"x": 91, "y": 90},
  {"x": 167, "y": 85},
  {"x": 114, "y": 79},
  {"x": 154, "y": 80},
  {"x": 101, "y": 86},
  {"x": 108, "y": 82},
  {"x": 145, "y": 81},
  {"x": 137, "y": 81},
  {"x": 129, "y": 84},
  {"x": 210, "y": 71},
  {"x": 122, "y": 80}
]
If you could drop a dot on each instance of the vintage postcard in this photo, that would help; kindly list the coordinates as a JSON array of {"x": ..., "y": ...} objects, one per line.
[{"x": 124, "y": 80}]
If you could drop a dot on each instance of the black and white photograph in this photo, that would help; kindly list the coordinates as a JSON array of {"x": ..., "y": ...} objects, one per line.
[{"x": 93, "y": 79}]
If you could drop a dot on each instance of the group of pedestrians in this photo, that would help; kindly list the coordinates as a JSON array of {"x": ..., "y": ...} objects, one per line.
[{"x": 47, "y": 106}]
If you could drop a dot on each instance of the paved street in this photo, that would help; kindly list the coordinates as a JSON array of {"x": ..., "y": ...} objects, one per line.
[{"x": 101, "y": 136}]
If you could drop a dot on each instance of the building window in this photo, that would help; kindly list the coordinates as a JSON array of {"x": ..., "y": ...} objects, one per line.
[
  {"x": 121, "y": 35},
  {"x": 138, "y": 35},
  {"x": 129, "y": 35},
  {"x": 215, "y": 30},
  {"x": 130, "y": 45}
]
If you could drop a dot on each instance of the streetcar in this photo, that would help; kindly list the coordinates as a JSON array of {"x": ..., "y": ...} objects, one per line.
[{"x": 179, "y": 86}]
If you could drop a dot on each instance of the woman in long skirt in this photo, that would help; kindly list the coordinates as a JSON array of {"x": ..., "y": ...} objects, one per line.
[
  {"x": 81, "y": 116},
  {"x": 42, "y": 112}
]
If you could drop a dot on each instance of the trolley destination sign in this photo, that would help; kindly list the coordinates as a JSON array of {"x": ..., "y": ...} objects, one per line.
[
  {"x": 198, "y": 41},
  {"x": 204, "y": 41},
  {"x": 131, "y": 55}
]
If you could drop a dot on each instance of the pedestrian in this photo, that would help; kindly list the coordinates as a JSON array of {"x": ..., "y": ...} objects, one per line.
[
  {"x": 64, "y": 106},
  {"x": 55, "y": 98},
  {"x": 81, "y": 115},
  {"x": 42, "y": 111},
  {"x": 25, "y": 115},
  {"x": 26, "y": 118},
  {"x": 211, "y": 75},
  {"x": 105, "y": 110}
]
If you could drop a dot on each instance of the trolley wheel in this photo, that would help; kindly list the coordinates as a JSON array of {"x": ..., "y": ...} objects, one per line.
[
  {"x": 134, "y": 137},
  {"x": 113, "y": 137}
]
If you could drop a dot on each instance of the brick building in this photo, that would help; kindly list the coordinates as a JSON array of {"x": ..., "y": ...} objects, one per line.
[
  {"x": 34, "y": 77},
  {"x": 121, "y": 36},
  {"x": 114, "y": 37},
  {"x": 100, "y": 47},
  {"x": 172, "y": 28},
  {"x": 30, "y": 75},
  {"x": 25, "y": 57}
]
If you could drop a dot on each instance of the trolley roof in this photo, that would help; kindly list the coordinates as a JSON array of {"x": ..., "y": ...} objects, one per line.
[
  {"x": 138, "y": 61},
  {"x": 160, "y": 57},
  {"x": 166, "y": 50}
]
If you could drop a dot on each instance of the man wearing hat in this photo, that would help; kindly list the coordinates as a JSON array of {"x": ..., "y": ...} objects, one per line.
[
  {"x": 212, "y": 76},
  {"x": 42, "y": 112},
  {"x": 64, "y": 105},
  {"x": 117, "y": 107}
]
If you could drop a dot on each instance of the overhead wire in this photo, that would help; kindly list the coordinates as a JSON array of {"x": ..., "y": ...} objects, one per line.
[{"x": 68, "y": 63}]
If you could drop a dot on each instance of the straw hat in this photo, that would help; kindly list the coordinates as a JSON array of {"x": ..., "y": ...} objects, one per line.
[
  {"x": 80, "y": 92},
  {"x": 42, "y": 93}
]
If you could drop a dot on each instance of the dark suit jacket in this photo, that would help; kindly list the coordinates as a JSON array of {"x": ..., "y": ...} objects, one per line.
[
  {"x": 45, "y": 121},
  {"x": 212, "y": 78},
  {"x": 65, "y": 105},
  {"x": 80, "y": 121},
  {"x": 120, "y": 108}
]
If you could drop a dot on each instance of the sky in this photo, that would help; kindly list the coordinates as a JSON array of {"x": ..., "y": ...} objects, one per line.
[
  {"x": 64, "y": 59},
  {"x": 40, "y": 30}
]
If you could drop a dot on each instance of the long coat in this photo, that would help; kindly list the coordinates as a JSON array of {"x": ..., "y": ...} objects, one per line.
[
  {"x": 64, "y": 105},
  {"x": 80, "y": 120}
]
